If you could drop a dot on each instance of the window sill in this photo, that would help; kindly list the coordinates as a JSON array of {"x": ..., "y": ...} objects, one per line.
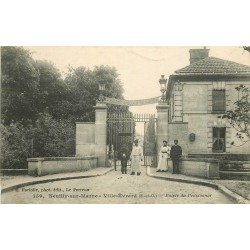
[{"x": 219, "y": 112}]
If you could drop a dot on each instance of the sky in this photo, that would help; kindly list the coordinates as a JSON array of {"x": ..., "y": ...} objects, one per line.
[{"x": 139, "y": 68}]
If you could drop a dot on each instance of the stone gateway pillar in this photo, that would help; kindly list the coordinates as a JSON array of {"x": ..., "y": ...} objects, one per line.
[
  {"x": 162, "y": 124},
  {"x": 100, "y": 133}
]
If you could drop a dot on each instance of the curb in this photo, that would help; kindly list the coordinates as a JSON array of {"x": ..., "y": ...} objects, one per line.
[
  {"x": 34, "y": 182},
  {"x": 230, "y": 194}
]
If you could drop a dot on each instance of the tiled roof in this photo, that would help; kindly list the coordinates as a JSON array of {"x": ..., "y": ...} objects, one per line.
[{"x": 214, "y": 66}]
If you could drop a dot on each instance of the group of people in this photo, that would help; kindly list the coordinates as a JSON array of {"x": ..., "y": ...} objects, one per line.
[{"x": 166, "y": 152}]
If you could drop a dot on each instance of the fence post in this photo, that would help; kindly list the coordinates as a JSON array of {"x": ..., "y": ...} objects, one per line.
[
  {"x": 100, "y": 133},
  {"x": 162, "y": 124}
]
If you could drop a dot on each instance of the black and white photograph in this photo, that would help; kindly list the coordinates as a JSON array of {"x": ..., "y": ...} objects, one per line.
[{"x": 125, "y": 125}]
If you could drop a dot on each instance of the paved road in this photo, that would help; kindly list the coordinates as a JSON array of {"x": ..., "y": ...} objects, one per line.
[{"x": 116, "y": 188}]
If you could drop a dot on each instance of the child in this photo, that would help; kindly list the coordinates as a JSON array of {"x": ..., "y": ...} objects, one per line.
[{"x": 124, "y": 163}]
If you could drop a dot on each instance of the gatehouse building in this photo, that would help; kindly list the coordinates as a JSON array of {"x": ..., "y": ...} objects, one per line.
[{"x": 199, "y": 95}]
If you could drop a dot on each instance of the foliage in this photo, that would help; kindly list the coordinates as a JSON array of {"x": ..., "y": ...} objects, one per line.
[
  {"x": 84, "y": 91},
  {"x": 53, "y": 93},
  {"x": 30, "y": 87},
  {"x": 48, "y": 137},
  {"x": 39, "y": 109},
  {"x": 52, "y": 137},
  {"x": 20, "y": 86},
  {"x": 15, "y": 148},
  {"x": 239, "y": 118},
  {"x": 150, "y": 139},
  {"x": 247, "y": 48}
]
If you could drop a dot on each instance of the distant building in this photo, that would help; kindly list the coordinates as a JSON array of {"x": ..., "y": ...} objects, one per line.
[{"x": 199, "y": 95}]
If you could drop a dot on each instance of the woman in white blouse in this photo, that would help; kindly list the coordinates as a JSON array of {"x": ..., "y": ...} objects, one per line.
[{"x": 163, "y": 157}]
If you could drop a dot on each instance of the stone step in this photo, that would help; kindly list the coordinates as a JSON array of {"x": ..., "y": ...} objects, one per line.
[
  {"x": 243, "y": 170},
  {"x": 235, "y": 175}
]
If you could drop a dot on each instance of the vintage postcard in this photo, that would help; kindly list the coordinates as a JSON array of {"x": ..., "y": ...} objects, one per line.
[{"x": 125, "y": 125}]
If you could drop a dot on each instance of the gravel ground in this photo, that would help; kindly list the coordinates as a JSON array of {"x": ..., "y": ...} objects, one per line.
[
  {"x": 115, "y": 188},
  {"x": 240, "y": 187}
]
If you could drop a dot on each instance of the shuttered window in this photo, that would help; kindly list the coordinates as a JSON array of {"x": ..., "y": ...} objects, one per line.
[
  {"x": 219, "y": 100},
  {"x": 219, "y": 142}
]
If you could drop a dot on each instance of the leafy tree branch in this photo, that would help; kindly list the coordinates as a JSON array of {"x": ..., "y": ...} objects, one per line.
[{"x": 239, "y": 117}]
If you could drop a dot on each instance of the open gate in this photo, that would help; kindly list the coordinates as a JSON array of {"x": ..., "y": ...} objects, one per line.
[{"x": 121, "y": 133}]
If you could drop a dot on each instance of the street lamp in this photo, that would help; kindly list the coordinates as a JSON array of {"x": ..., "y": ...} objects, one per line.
[
  {"x": 163, "y": 82},
  {"x": 101, "y": 89}
]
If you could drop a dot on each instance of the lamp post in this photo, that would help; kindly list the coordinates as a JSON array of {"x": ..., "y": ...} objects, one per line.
[
  {"x": 163, "y": 82},
  {"x": 101, "y": 89}
]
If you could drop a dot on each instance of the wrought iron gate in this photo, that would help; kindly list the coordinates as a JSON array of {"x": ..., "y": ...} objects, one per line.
[{"x": 121, "y": 135}]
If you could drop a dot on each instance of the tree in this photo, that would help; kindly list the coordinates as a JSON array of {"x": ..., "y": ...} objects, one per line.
[
  {"x": 30, "y": 87},
  {"x": 52, "y": 137},
  {"x": 39, "y": 106},
  {"x": 150, "y": 139},
  {"x": 53, "y": 92},
  {"x": 239, "y": 118},
  {"x": 247, "y": 48},
  {"x": 15, "y": 147},
  {"x": 83, "y": 85},
  {"x": 20, "y": 86},
  {"x": 49, "y": 138}
]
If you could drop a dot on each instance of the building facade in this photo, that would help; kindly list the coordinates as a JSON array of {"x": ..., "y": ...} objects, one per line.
[{"x": 199, "y": 95}]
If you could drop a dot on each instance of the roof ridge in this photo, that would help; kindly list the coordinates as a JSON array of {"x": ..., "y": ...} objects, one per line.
[
  {"x": 214, "y": 65},
  {"x": 229, "y": 61}
]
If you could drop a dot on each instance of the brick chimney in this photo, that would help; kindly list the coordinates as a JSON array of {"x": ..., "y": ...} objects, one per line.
[{"x": 198, "y": 54}]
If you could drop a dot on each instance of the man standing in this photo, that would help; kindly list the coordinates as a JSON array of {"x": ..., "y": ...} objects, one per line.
[
  {"x": 124, "y": 163},
  {"x": 136, "y": 158},
  {"x": 175, "y": 155}
]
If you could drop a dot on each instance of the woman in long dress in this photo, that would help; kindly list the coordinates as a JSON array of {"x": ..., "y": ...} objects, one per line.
[{"x": 163, "y": 157}]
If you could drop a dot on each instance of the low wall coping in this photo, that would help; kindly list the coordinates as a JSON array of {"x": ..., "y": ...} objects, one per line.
[
  {"x": 235, "y": 172},
  {"x": 233, "y": 161},
  {"x": 84, "y": 122},
  {"x": 225, "y": 156},
  {"x": 213, "y": 160},
  {"x": 61, "y": 158},
  {"x": 199, "y": 159}
]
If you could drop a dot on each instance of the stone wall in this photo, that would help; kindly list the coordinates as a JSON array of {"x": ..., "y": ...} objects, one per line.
[
  {"x": 57, "y": 165},
  {"x": 91, "y": 138},
  {"x": 179, "y": 131},
  {"x": 85, "y": 139},
  {"x": 205, "y": 168}
]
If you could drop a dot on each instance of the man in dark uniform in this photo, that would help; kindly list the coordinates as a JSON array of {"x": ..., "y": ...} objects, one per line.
[
  {"x": 124, "y": 163},
  {"x": 175, "y": 155}
]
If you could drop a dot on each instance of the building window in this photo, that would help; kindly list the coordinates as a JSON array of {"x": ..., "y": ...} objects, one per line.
[
  {"x": 219, "y": 100},
  {"x": 219, "y": 135}
]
